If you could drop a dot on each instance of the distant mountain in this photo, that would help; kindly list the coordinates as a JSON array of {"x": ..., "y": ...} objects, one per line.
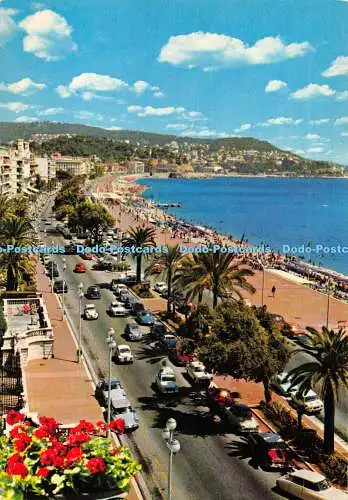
[{"x": 10, "y": 131}]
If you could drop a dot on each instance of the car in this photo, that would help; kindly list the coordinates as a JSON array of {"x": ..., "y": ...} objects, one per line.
[
  {"x": 123, "y": 354},
  {"x": 130, "y": 279},
  {"x": 168, "y": 341},
  {"x": 60, "y": 286},
  {"x": 241, "y": 418},
  {"x": 309, "y": 401},
  {"x": 160, "y": 287},
  {"x": 47, "y": 222},
  {"x": 158, "y": 330},
  {"x": 118, "y": 288},
  {"x": 129, "y": 302},
  {"x": 124, "y": 295},
  {"x": 283, "y": 385},
  {"x": 132, "y": 331},
  {"x": 137, "y": 307},
  {"x": 121, "y": 408},
  {"x": 52, "y": 272},
  {"x": 46, "y": 259},
  {"x": 93, "y": 292},
  {"x": 307, "y": 484},
  {"x": 219, "y": 398},
  {"x": 197, "y": 373},
  {"x": 80, "y": 268},
  {"x": 145, "y": 318},
  {"x": 166, "y": 382},
  {"x": 102, "y": 389},
  {"x": 177, "y": 357},
  {"x": 117, "y": 309},
  {"x": 270, "y": 450},
  {"x": 86, "y": 256},
  {"x": 90, "y": 312}
]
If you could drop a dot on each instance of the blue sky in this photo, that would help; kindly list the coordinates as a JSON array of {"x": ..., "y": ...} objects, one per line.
[{"x": 272, "y": 69}]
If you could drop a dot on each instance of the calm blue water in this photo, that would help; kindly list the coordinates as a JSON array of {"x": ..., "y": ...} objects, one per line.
[{"x": 276, "y": 211}]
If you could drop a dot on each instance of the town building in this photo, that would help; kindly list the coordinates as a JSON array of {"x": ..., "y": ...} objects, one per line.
[{"x": 71, "y": 165}]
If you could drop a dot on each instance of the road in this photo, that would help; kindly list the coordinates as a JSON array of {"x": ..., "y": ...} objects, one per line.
[{"x": 212, "y": 463}]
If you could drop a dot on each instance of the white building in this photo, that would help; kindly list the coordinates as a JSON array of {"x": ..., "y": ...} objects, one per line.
[{"x": 70, "y": 165}]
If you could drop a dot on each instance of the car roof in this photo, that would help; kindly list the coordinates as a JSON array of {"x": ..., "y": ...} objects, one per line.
[
  {"x": 122, "y": 346},
  {"x": 196, "y": 363},
  {"x": 90, "y": 306},
  {"x": 92, "y": 286},
  {"x": 271, "y": 437},
  {"x": 310, "y": 393},
  {"x": 167, "y": 369},
  {"x": 312, "y": 476}
]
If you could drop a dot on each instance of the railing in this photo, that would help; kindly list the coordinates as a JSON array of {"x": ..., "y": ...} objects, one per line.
[{"x": 39, "y": 332}]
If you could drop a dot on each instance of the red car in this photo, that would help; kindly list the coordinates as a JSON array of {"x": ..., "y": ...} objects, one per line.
[
  {"x": 86, "y": 256},
  {"x": 178, "y": 358},
  {"x": 80, "y": 268},
  {"x": 221, "y": 398}
]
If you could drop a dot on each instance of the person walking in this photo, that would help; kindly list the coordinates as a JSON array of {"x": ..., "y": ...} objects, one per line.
[{"x": 273, "y": 290}]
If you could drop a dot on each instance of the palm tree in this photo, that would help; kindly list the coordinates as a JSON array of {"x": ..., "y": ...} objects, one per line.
[
  {"x": 140, "y": 237},
  {"x": 328, "y": 367},
  {"x": 5, "y": 206},
  {"x": 217, "y": 273},
  {"x": 170, "y": 261},
  {"x": 187, "y": 276},
  {"x": 16, "y": 232}
]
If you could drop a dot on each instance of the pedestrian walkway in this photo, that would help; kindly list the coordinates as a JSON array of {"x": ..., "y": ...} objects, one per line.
[{"x": 60, "y": 387}]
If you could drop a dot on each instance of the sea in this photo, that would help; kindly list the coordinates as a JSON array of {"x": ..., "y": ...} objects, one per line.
[{"x": 305, "y": 217}]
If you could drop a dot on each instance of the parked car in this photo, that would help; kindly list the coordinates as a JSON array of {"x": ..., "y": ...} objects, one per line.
[
  {"x": 283, "y": 386},
  {"x": 124, "y": 295},
  {"x": 198, "y": 373},
  {"x": 90, "y": 312},
  {"x": 158, "y": 330},
  {"x": 93, "y": 292},
  {"x": 309, "y": 401},
  {"x": 121, "y": 408},
  {"x": 168, "y": 341},
  {"x": 270, "y": 450},
  {"x": 166, "y": 382},
  {"x": 52, "y": 272},
  {"x": 130, "y": 279},
  {"x": 160, "y": 287},
  {"x": 137, "y": 307},
  {"x": 307, "y": 484},
  {"x": 80, "y": 268},
  {"x": 177, "y": 357},
  {"x": 117, "y": 309},
  {"x": 102, "y": 389},
  {"x": 123, "y": 354},
  {"x": 129, "y": 302},
  {"x": 118, "y": 287},
  {"x": 60, "y": 286},
  {"x": 241, "y": 418},
  {"x": 132, "y": 331},
  {"x": 145, "y": 318}
]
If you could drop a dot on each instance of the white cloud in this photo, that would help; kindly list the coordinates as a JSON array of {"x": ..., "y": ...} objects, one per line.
[
  {"x": 88, "y": 115},
  {"x": 37, "y": 5},
  {"x": 312, "y": 137},
  {"x": 159, "y": 93},
  {"x": 243, "y": 128},
  {"x": 281, "y": 120},
  {"x": 26, "y": 119},
  {"x": 50, "y": 111},
  {"x": 95, "y": 81},
  {"x": 16, "y": 107},
  {"x": 342, "y": 96},
  {"x": 312, "y": 91},
  {"x": 204, "y": 133},
  {"x": 89, "y": 96},
  {"x": 8, "y": 26},
  {"x": 63, "y": 91},
  {"x": 151, "y": 111},
  {"x": 177, "y": 126},
  {"x": 338, "y": 67},
  {"x": 48, "y": 35},
  {"x": 140, "y": 86},
  {"x": 342, "y": 121},
  {"x": 320, "y": 121},
  {"x": 26, "y": 86},
  {"x": 214, "y": 51},
  {"x": 112, "y": 128},
  {"x": 315, "y": 150},
  {"x": 344, "y": 134},
  {"x": 275, "y": 85}
]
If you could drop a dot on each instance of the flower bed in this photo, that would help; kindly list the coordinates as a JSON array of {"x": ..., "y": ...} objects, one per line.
[{"x": 39, "y": 461}]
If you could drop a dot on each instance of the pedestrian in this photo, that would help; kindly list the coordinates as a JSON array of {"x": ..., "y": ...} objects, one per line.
[{"x": 273, "y": 290}]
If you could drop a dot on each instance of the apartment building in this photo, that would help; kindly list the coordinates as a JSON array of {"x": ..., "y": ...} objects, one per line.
[
  {"x": 15, "y": 168},
  {"x": 71, "y": 165}
]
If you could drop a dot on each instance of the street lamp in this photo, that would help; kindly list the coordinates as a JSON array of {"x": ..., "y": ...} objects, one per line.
[
  {"x": 330, "y": 289},
  {"x": 79, "y": 350},
  {"x": 52, "y": 276},
  {"x": 63, "y": 310},
  {"x": 173, "y": 446},
  {"x": 110, "y": 340},
  {"x": 262, "y": 262}
]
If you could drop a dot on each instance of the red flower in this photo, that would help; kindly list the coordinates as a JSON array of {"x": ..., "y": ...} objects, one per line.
[
  {"x": 117, "y": 425},
  {"x": 41, "y": 432},
  {"x": 116, "y": 451},
  {"x": 15, "y": 466},
  {"x": 83, "y": 426},
  {"x": 50, "y": 424},
  {"x": 58, "y": 462},
  {"x": 43, "y": 472},
  {"x": 47, "y": 457},
  {"x": 13, "y": 417},
  {"x": 73, "y": 455},
  {"x": 16, "y": 431},
  {"x": 77, "y": 438},
  {"x": 101, "y": 425},
  {"x": 22, "y": 442},
  {"x": 96, "y": 465}
]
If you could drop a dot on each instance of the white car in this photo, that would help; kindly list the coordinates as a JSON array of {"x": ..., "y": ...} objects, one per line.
[
  {"x": 197, "y": 372},
  {"x": 160, "y": 287},
  {"x": 309, "y": 485},
  {"x": 123, "y": 354},
  {"x": 90, "y": 312},
  {"x": 310, "y": 402},
  {"x": 284, "y": 388},
  {"x": 121, "y": 408},
  {"x": 166, "y": 381},
  {"x": 241, "y": 418},
  {"x": 117, "y": 309},
  {"x": 119, "y": 287}
]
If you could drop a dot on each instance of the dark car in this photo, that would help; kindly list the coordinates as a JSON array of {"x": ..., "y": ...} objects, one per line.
[
  {"x": 168, "y": 341},
  {"x": 137, "y": 307},
  {"x": 53, "y": 272},
  {"x": 60, "y": 286},
  {"x": 270, "y": 451},
  {"x": 130, "y": 302},
  {"x": 132, "y": 331},
  {"x": 93, "y": 292},
  {"x": 158, "y": 330},
  {"x": 124, "y": 295},
  {"x": 128, "y": 280}
]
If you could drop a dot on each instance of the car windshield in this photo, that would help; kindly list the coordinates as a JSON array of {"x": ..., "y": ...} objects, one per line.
[
  {"x": 322, "y": 485},
  {"x": 90, "y": 308},
  {"x": 199, "y": 369},
  {"x": 310, "y": 397},
  {"x": 114, "y": 385},
  {"x": 168, "y": 378},
  {"x": 124, "y": 350}
]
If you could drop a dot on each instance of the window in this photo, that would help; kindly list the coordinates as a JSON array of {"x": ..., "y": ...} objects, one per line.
[{"x": 296, "y": 480}]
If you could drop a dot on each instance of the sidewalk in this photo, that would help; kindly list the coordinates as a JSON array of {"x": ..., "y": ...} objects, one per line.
[{"x": 61, "y": 387}]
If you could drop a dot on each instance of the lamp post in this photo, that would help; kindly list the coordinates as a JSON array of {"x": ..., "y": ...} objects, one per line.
[
  {"x": 63, "y": 310},
  {"x": 79, "y": 350},
  {"x": 52, "y": 277},
  {"x": 110, "y": 340},
  {"x": 173, "y": 446},
  {"x": 262, "y": 262},
  {"x": 330, "y": 289}
]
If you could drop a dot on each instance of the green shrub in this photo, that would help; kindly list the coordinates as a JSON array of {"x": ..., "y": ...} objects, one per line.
[{"x": 335, "y": 469}]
